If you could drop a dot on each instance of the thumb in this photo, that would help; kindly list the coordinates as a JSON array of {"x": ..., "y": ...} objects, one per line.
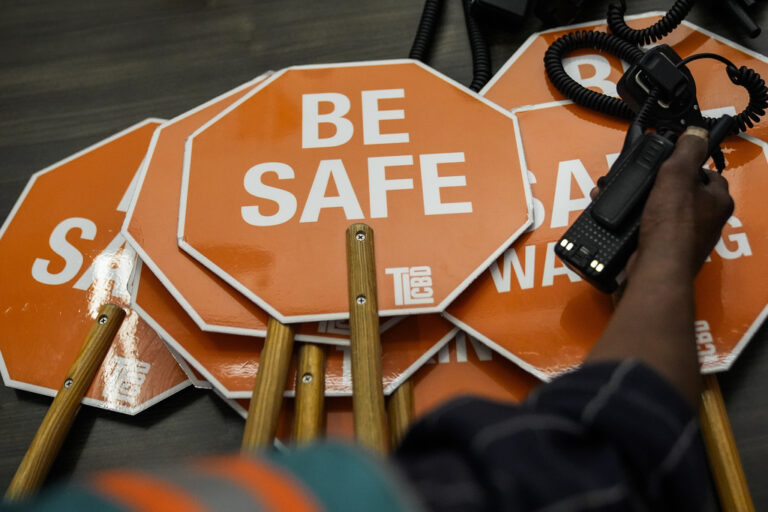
[{"x": 686, "y": 160}]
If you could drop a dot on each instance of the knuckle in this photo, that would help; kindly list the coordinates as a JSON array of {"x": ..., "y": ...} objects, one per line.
[
  {"x": 720, "y": 181},
  {"x": 729, "y": 204},
  {"x": 694, "y": 148}
]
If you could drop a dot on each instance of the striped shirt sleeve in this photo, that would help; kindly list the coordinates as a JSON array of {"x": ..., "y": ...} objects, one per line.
[{"x": 608, "y": 436}]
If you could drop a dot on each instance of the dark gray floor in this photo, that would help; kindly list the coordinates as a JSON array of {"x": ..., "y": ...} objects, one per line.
[{"x": 74, "y": 72}]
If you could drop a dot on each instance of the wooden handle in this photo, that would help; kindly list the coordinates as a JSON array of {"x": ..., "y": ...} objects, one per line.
[
  {"x": 401, "y": 411},
  {"x": 310, "y": 388},
  {"x": 724, "y": 458},
  {"x": 267, "y": 399},
  {"x": 367, "y": 389},
  {"x": 58, "y": 420}
]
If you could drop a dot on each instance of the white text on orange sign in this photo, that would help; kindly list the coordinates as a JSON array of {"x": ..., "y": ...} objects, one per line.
[{"x": 378, "y": 183}]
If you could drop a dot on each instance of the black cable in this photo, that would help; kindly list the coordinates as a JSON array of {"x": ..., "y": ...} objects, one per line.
[
  {"x": 698, "y": 56},
  {"x": 425, "y": 34},
  {"x": 745, "y": 77},
  {"x": 661, "y": 28},
  {"x": 553, "y": 64},
  {"x": 481, "y": 53},
  {"x": 643, "y": 117},
  {"x": 758, "y": 95}
]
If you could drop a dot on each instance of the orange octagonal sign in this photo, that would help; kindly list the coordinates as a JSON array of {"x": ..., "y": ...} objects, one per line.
[
  {"x": 540, "y": 314},
  {"x": 62, "y": 258},
  {"x": 150, "y": 228},
  {"x": 569, "y": 315},
  {"x": 271, "y": 184}
]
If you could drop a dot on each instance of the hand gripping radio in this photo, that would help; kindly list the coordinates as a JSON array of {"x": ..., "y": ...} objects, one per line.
[{"x": 660, "y": 89}]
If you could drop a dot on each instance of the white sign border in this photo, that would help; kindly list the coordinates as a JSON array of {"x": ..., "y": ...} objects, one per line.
[
  {"x": 42, "y": 390},
  {"x": 439, "y": 308},
  {"x": 227, "y": 393},
  {"x": 144, "y": 255}
]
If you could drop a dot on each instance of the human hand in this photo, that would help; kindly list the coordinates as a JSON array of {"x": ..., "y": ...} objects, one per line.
[
  {"x": 680, "y": 224},
  {"x": 684, "y": 214}
]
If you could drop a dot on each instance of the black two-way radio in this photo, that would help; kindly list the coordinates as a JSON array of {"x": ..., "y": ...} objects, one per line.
[
  {"x": 657, "y": 91},
  {"x": 601, "y": 240}
]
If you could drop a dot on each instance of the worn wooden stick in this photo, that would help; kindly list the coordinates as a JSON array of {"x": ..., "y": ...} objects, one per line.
[
  {"x": 401, "y": 411},
  {"x": 310, "y": 388},
  {"x": 267, "y": 399},
  {"x": 724, "y": 458},
  {"x": 58, "y": 420},
  {"x": 367, "y": 390}
]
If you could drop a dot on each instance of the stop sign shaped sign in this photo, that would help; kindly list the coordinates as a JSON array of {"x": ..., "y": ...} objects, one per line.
[
  {"x": 532, "y": 308},
  {"x": 537, "y": 312},
  {"x": 62, "y": 258},
  {"x": 271, "y": 184}
]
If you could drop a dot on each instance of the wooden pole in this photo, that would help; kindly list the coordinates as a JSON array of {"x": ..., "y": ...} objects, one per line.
[
  {"x": 267, "y": 399},
  {"x": 401, "y": 411},
  {"x": 367, "y": 390},
  {"x": 724, "y": 458},
  {"x": 310, "y": 388},
  {"x": 58, "y": 420}
]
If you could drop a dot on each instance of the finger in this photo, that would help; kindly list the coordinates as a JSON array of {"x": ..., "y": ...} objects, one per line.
[
  {"x": 691, "y": 148},
  {"x": 685, "y": 161},
  {"x": 717, "y": 188},
  {"x": 593, "y": 193},
  {"x": 715, "y": 179}
]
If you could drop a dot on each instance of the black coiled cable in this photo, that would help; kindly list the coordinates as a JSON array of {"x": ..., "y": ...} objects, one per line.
[
  {"x": 643, "y": 117},
  {"x": 426, "y": 31},
  {"x": 425, "y": 34},
  {"x": 661, "y": 28},
  {"x": 747, "y": 78},
  {"x": 553, "y": 64},
  {"x": 758, "y": 95},
  {"x": 481, "y": 53}
]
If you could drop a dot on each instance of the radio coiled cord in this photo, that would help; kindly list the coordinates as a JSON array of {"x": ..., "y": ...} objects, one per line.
[
  {"x": 425, "y": 34},
  {"x": 570, "y": 88},
  {"x": 553, "y": 64},
  {"x": 747, "y": 78},
  {"x": 645, "y": 36},
  {"x": 758, "y": 95},
  {"x": 481, "y": 53}
]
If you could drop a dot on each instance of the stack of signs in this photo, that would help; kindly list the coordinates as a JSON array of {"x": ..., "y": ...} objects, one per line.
[
  {"x": 239, "y": 211},
  {"x": 282, "y": 165},
  {"x": 550, "y": 317},
  {"x": 230, "y": 362}
]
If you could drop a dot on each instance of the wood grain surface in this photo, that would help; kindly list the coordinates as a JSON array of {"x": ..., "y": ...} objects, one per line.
[
  {"x": 309, "y": 417},
  {"x": 74, "y": 72},
  {"x": 267, "y": 400},
  {"x": 371, "y": 426},
  {"x": 724, "y": 460},
  {"x": 61, "y": 414},
  {"x": 401, "y": 411}
]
